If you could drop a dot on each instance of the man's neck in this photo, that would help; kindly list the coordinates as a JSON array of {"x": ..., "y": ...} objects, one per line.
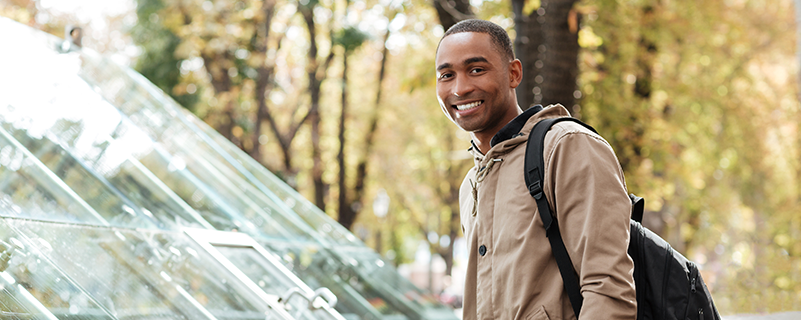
[
  {"x": 482, "y": 142},
  {"x": 483, "y": 139}
]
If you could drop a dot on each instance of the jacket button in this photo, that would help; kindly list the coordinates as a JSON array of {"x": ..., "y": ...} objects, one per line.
[{"x": 482, "y": 250}]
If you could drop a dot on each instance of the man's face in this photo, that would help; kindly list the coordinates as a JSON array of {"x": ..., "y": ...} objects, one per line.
[{"x": 474, "y": 85}]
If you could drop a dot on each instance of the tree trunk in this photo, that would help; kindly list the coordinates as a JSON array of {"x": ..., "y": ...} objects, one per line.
[
  {"x": 221, "y": 83},
  {"x": 560, "y": 32},
  {"x": 369, "y": 138},
  {"x": 265, "y": 77},
  {"x": 547, "y": 46},
  {"x": 452, "y": 11},
  {"x": 316, "y": 72},
  {"x": 527, "y": 42},
  {"x": 346, "y": 213}
]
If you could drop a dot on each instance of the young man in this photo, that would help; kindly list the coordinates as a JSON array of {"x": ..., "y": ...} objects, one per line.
[{"x": 511, "y": 272}]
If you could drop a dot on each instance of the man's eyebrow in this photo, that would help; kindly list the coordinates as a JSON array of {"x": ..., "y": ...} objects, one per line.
[
  {"x": 466, "y": 62},
  {"x": 474, "y": 60}
]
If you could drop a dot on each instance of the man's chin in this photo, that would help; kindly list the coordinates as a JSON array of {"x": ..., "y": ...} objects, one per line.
[{"x": 470, "y": 128}]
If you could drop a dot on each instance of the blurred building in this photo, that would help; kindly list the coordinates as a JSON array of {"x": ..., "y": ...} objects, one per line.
[{"x": 115, "y": 203}]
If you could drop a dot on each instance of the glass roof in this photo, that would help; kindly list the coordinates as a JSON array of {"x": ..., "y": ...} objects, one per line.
[{"x": 101, "y": 172}]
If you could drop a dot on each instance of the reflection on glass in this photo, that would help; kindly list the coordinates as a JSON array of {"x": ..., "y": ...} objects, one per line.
[
  {"x": 93, "y": 188},
  {"x": 259, "y": 178},
  {"x": 219, "y": 192},
  {"x": 216, "y": 198},
  {"x": 100, "y": 139},
  {"x": 318, "y": 268},
  {"x": 142, "y": 275},
  {"x": 365, "y": 268},
  {"x": 170, "y": 125},
  {"x": 257, "y": 268},
  {"x": 270, "y": 279},
  {"x": 29, "y": 189},
  {"x": 32, "y": 288}
]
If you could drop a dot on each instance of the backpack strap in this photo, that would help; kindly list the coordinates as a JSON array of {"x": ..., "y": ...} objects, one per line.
[
  {"x": 534, "y": 174},
  {"x": 637, "y": 207}
]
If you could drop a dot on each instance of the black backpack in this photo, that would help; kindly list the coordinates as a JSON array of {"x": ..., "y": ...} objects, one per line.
[{"x": 668, "y": 285}]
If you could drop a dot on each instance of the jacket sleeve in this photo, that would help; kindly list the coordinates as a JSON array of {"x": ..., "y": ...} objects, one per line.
[{"x": 593, "y": 210}]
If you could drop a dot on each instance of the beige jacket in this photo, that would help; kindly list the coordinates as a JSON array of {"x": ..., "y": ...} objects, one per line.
[{"x": 517, "y": 276}]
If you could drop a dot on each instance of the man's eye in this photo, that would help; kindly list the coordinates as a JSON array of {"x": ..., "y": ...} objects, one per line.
[
  {"x": 445, "y": 76},
  {"x": 476, "y": 70}
]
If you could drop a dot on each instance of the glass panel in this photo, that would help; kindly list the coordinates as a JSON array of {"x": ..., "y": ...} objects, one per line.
[
  {"x": 258, "y": 269},
  {"x": 190, "y": 151},
  {"x": 359, "y": 276},
  {"x": 144, "y": 274},
  {"x": 99, "y": 194},
  {"x": 271, "y": 279},
  {"x": 156, "y": 114},
  {"x": 317, "y": 267},
  {"x": 29, "y": 189},
  {"x": 265, "y": 181},
  {"x": 219, "y": 200},
  {"x": 97, "y": 136},
  {"x": 31, "y": 287},
  {"x": 179, "y": 190},
  {"x": 383, "y": 284},
  {"x": 367, "y": 267}
]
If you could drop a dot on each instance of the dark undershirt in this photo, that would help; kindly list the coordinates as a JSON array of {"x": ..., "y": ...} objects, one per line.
[{"x": 511, "y": 129}]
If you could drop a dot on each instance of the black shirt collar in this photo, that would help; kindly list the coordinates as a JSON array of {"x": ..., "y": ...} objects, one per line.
[{"x": 512, "y": 128}]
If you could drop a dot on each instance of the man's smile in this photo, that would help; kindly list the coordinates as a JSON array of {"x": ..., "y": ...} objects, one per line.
[{"x": 468, "y": 106}]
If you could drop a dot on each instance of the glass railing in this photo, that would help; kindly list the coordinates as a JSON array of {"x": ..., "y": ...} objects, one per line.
[{"x": 139, "y": 274}]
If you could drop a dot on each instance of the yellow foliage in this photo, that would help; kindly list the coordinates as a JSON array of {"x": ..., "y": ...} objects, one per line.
[
  {"x": 530, "y": 6},
  {"x": 588, "y": 39}
]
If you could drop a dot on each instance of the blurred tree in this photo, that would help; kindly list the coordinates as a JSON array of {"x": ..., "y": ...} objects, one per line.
[
  {"x": 452, "y": 11},
  {"x": 547, "y": 46},
  {"x": 369, "y": 137},
  {"x": 251, "y": 66},
  {"x": 31, "y": 13},
  {"x": 232, "y": 43},
  {"x": 349, "y": 39},
  {"x": 688, "y": 95},
  {"x": 157, "y": 60},
  {"x": 23, "y": 11},
  {"x": 316, "y": 70}
]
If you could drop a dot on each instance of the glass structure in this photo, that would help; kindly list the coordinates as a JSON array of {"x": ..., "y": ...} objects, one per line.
[{"x": 117, "y": 203}]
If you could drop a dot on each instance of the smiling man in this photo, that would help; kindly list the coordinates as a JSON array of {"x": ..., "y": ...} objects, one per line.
[{"x": 511, "y": 272}]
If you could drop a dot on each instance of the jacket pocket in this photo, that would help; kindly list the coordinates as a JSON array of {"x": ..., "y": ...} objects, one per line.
[{"x": 538, "y": 314}]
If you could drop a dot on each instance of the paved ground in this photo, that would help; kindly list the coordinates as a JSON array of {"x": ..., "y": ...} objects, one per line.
[{"x": 792, "y": 315}]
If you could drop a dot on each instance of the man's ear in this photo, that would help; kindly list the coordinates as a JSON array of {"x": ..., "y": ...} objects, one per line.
[{"x": 515, "y": 73}]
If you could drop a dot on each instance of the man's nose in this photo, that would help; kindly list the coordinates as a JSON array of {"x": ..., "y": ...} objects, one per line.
[{"x": 462, "y": 87}]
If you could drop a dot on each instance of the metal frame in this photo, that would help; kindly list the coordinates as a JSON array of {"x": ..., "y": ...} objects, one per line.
[{"x": 210, "y": 239}]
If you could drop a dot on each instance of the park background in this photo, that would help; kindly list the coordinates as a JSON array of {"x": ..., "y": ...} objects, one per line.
[{"x": 700, "y": 101}]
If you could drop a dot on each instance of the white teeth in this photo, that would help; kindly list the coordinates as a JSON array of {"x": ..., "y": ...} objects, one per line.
[{"x": 468, "y": 106}]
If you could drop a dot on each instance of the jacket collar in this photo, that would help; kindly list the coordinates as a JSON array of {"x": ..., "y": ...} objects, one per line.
[
  {"x": 513, "y": 127},
  {"x": 517, "y": 130}
]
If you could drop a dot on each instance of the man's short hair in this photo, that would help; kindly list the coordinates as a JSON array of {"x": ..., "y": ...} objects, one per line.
[{"x": 498, "y": 35}]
